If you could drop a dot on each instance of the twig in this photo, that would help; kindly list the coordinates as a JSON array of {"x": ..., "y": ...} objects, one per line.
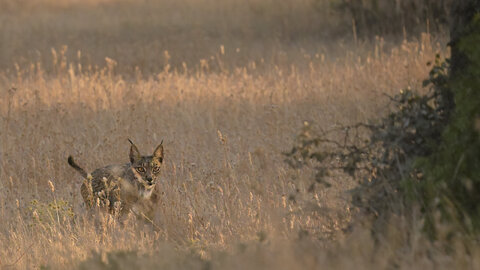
[
  {"x": 18, "y": 259},
  {"x": 147, "y": 218}
]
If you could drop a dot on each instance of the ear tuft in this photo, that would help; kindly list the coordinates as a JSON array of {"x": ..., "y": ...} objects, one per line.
[
  {"x": 134, "y": 153},
  {"x": 158, "y": 153}
]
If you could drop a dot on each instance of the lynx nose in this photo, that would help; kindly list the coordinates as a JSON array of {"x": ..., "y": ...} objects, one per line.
[{"x": 149, "y": 180}]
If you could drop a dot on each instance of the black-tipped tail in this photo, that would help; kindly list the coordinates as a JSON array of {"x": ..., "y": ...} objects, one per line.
[{"x": 72, "y": 163}]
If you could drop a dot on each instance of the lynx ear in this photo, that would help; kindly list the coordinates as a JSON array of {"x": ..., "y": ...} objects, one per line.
[
  {"x": 158, "y": 153},
  {"x": 134, "y": 153}
]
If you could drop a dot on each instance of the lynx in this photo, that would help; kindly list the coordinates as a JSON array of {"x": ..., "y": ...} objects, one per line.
[{"x": 123, "y": 188}]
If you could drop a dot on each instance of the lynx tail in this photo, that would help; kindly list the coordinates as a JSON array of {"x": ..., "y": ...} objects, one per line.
[{"x": 72, "y": 163}]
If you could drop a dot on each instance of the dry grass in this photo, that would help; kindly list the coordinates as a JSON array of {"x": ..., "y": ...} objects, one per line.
[
  {"x": 136, "y": 33},
  {"x": 225, "y": 115}
]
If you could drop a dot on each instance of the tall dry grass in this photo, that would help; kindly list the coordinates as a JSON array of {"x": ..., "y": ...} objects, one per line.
[
  {"x": 225, "y": 113},
  {"x": 137, "y": 33}
]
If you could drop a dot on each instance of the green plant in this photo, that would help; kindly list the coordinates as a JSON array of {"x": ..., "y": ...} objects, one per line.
[
  {"x": 381, "y": 155},
  {"x": 56, "y": 211},
  {"x": 452, "y": 172}
]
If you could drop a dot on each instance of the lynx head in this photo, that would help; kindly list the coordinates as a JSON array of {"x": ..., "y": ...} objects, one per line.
[{"x": 146, "y": 168}]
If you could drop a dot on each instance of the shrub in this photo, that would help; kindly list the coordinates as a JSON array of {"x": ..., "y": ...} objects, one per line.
[
  {"x": 425, "y": 153},
  {"x": 380, "y": 155},
  {"x": 452, "y": 172}
]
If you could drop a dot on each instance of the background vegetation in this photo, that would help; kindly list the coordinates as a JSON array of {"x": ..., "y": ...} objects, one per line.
[{"x": 227, "y": 85}]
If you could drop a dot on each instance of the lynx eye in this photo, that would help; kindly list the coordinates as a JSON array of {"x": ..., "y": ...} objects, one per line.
[
  {"x": 140, "y": 169},
  {"x": 156, "y": 169}
]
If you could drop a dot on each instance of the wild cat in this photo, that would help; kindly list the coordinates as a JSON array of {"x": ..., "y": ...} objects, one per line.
[{"x": 121, "y": 188}]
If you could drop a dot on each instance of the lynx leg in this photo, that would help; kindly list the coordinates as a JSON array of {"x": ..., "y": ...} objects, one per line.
[{"x": 87, "y": 193}]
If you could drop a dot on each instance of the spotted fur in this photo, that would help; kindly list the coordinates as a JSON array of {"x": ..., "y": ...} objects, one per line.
[{"x": 121, "y": 188}]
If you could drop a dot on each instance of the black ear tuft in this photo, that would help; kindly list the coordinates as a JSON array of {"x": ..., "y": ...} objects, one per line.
[
  {"x": 158, "y": 153},
  {"x": 71, "y": 161},
  {"x": 134, "y": 153}
]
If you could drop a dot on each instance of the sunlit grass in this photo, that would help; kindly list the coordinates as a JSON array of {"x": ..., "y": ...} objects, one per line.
[{"x": 226, "y": 111}]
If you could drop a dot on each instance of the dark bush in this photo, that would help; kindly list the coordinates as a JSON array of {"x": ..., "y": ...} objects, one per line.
[
  {"x": 425, "y": 153},
  {"x": 380, "y": 155}
]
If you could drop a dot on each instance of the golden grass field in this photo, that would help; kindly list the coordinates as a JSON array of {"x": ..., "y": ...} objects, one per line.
[{"x": 227, "y": 85}]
